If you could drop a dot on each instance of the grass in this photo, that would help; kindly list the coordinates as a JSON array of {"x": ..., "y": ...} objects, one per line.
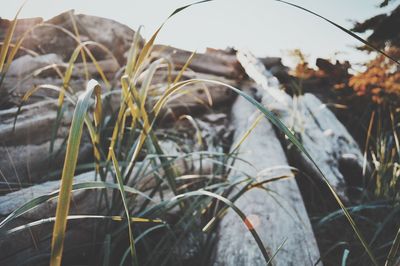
[{"x": 126, "y": 147}]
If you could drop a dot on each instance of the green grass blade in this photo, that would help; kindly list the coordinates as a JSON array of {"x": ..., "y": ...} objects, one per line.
[
  {"x": 71, "y": 158},
  {"x": 30, "y": 205},
  {"x": 346, "y": 253},
  {"x": 81, "y": 217},
  {"x": 352, "y": 34},
  {"x": 246, "y": 221},
  {"x": 271, "y": 117},
  {"x": 142, "y": 235},
  {"x": 277, "y": 251},
  {"x": 184, "y": 7},
  {"x": 278, "y": 123},
  {"x": 149, "y": 45},
  {"x": 390, "y": 261},
  {"x": 121, "y": 189}
]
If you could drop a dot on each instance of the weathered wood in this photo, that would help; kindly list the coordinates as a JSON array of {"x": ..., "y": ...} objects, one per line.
[
  {"x": 182, "y": 164},
  {"x": 276, "y": 212},
  {"x": 108, "y": 66},
  {"x": 22, "y": 26},
  {"x": 24, "y": 243},
  {"x": 30, "y": 65},
  {"x": 115, "y": 36},
  {"x": 19, "y": 247},
  {"x": 323, "y": 136},
  {"x": 27, "y": 64},
  {"x": 194, "y": 98},
  {"x": 25, "y": 151},
  {"x": 214, "y": 62},
  {"x": 30, "y": 164},
  {"x": 17, "y": 87}
]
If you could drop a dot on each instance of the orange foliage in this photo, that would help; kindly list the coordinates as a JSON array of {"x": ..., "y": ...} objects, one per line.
[
  {"x": 381, "y": 80},
  {"x": 302, "y": 70}
]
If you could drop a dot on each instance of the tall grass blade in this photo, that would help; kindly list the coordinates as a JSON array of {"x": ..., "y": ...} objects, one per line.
[
  {"x": 30, "y": 205},
  {"x": 71, "y": 158},
  {"x": 133, "y": 53},
  {"x": 390, "y": 261},
  {"x": 343, "y": 29},
  {"x": 185, "y": 66},
  {"x": 7, "y": 39},
  {"x": 147, "y": 48},
  {"x": 277, "y": 251},
  {"x": 346, "y": 253},
  {"x": 246, "y": 221},
  {"x": 6, "y": 44},
  {"x": 76, "y": 31},
  {"x": 82, "y": 217},
  {"x": 278, "y": 123},
  {"x": 122, "y": 191}
]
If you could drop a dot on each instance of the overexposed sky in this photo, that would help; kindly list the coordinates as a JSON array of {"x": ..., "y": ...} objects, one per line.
[{"x": 266, "y": 27}]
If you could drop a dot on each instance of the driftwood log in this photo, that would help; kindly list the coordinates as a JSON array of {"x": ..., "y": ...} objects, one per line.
[
  {"x": 321, "y": 133},
  {"x": 25, "y": 156},
  {"x": 19, "y": 247},
  {"x": 276, "y": 210},
  {"x": 197, "y": 97},
  {"x": 215, "y": 62}
]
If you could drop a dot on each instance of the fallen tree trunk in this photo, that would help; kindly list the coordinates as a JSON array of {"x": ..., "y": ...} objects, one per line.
[
  {"x": 25, "y": 150},
  {"x": 216, "y": 62},
  {"x": 192, "y": 99},
  {"x": 322, "y": 135},
  {"x": 35, "y": 241},
  {"x": 20, "y": 247},
  {"x": 275, "y": 210}
]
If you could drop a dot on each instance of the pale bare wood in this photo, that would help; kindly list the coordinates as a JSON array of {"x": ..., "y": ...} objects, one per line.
[
  {"x": 321, "y": 133},
  {"x": 21, "y": 246},
  {"x": 215, "y": 62},
  {"x": 25, "y": 150},
  {"x": 277, "y": 212}
]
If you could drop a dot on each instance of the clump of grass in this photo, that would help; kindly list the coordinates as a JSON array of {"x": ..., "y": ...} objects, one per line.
[{"x": 127, "y": 139}]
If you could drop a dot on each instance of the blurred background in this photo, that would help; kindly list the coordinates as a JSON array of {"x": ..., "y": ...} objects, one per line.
[{"x": 266, "y": 27}]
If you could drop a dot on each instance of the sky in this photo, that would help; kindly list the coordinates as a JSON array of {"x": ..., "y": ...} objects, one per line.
[{"x": 266, "y": 27}]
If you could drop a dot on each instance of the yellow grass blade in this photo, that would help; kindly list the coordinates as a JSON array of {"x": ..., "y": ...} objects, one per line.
[
  {"x": 7, "y": 39},
  {"x": 68, "y": 172},
  {"x": 188, "y": 62},
  {"x": 121, "y": 189}
]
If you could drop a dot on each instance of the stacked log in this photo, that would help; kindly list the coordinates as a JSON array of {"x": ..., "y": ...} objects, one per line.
[
  {"x": 275, "y": 210},
  {"x": 321, "y": 133}
]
